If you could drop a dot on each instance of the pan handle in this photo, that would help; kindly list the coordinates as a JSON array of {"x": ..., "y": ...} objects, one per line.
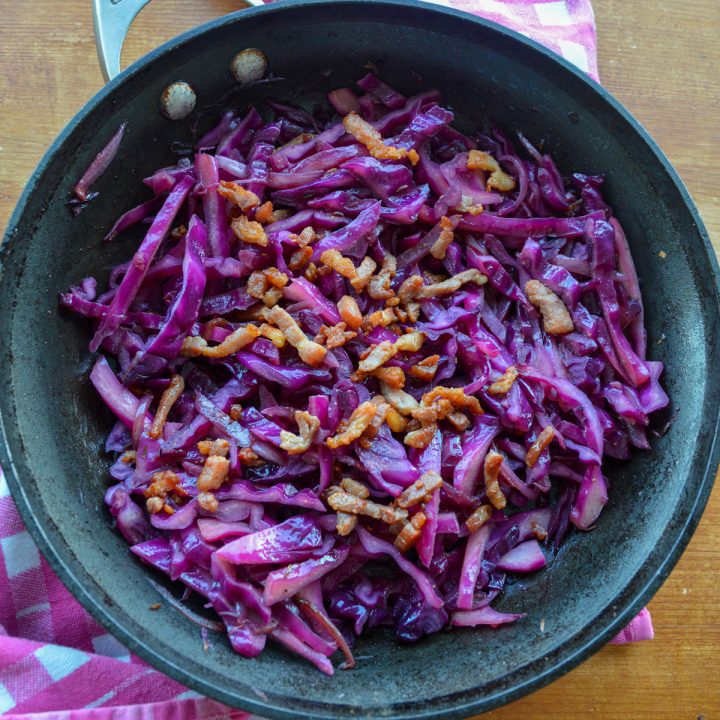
[{"x": 112, "y": 20}]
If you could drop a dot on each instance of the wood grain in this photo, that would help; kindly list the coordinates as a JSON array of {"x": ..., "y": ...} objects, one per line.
[{"x": 660, "y": 58}]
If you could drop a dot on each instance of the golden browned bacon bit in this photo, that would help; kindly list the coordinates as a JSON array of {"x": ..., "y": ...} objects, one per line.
[
  {"x": 272, "y": 297},
  {"x": 410, "y": 533},
  {"x": 297, "y": 444},
  {"x": 410, "y": 342},
  {"x": 311, "y": 272},
  {"x": 154, "y": 505},
  {"x": 274, "y": 335},
  {"x": 356, "y": 425},
  {"x": 379, "y": 354},
  {"x": 264, "y": 214},
  {"x": 236, "y": 412},
  {"x": 341, "y": 265},
  {"x": 171, "y": 395},
  {"x": 306, "y": 237},
  {"x": 409, "y": 288},
  {"x": 538, "y": 531},
  {"x": 218, "y": 446},
  {"x": 502, "y": 385},
  {"x": 479, "y": 517},
  {"x": 237, "y": 340},
  {"x": 445, "y": 400},
  {"x": 345, "y": 523},
  {"x": 238, "y": 195},
  {"x": 379, "y": 286},
  {"x": 446, "y": 287},
  {"x": 392, "y": 302},
  {"x": 350, "y": 312},
  {"x": 441, "y": 245},
  {"x": 493, "y": 461},
  {"x": 413, "y": 311},
  {"x": 275, "y": 277},
  {"x": 366, "y": 134},
  {"x": 249, "y": 457},
  {"x": 425, "y": 370},
  {"x": 342, "y": 501},
  {"x": 459, "y": 421},
  {"x": 300, "y": 258},
  {"x": 208, "y": 502},
  {"x": 364, "y": 272},
  {"x": 309, "y": 351},
  {"x": 381, "y": 409},
  {"x": 278, "y": 215},
  {"x": 257, "y": 284},
  {"x": 249, "y": 231},
  {"x": 129, "y": 456},
  {"x": 213, "y": 474},
  {"x": 396, "y": 422},
  {"x": 354, "y": 488},
  {"x": 334, "y": 336},
  {"x": 421, "y": 438},
  {"x": 403, "y": 402},
  {"x": 162, "y": 483},
  {"x": 420, "y": 491},
  {"x": 381, "y": 318},
  {"x": 468, "y": 206},
  {"x": 535, "y": 450},
  {"x": 556, "y": 318},
  {"x": 499, "y": 179},
  {"x": 393, "y": 377}
]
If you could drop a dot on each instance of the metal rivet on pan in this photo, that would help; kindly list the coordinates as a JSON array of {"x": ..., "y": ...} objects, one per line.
[
  {"x": 178, "y": 100},
  {"x": 249, "y": 66}
]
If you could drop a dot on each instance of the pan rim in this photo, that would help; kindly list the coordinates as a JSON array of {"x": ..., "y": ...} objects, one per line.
[{"x": 457, "y": 704}]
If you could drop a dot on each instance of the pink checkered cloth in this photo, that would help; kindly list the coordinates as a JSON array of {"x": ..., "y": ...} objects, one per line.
[{"x": 56, "y": 662}]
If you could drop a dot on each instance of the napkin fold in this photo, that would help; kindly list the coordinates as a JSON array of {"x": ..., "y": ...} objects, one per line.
[{"x": 56, "y": 662}]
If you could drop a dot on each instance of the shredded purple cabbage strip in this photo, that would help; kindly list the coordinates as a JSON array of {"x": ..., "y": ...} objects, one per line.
[{"x": 463, "y": 455}]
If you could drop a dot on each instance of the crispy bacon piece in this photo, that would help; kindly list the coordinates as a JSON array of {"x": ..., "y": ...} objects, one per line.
[
  {"x": 393, "y": 377},
  {"x": 236, "y": 194},
  {"x": 356, "y": 425},
  {"x": 264, "y": 214},
  {"x": 538, "y": 531},
  {"x": 451, "y": 285},
  {"x": 409, "y": 288},
  {"x": 345, "y": 502},
  {"x": 310, "y": 352},
  {"x": 162, "y": 483},
  {"x": 364, "y": 272},
  {"x": 219, "y": 447},
  {"x": 208, "y": 502},
  {"x": 421, "y": 438},
  {"x": 274, "y": 335},
  {"x": 196, "y": 346},
  {"x": 381, "y": 318},
  {"x": 420, "y": 491},
  {"x": 542, "y": 441},
  {"x": 403, "y": 402},
  {"x": 154, "y": 505},
  {"x": 425, "y": 370},
  {"x": 350, "y": 312},
  {"x": 499, "y": 179},
  {"x": 346, "y": 523},
  {"x": 213, "y": 474},
  {"x": 410, "y": 342},
  {"x": 556, "y": 318},
  {"x": 341, "y": 265},
  {"x": 300, "y": 258},
  {"x": 311, "y": 272},
  {"x": 249, "y": 231},
  {"x": 439, "y": 402},
  {"x": 410, "y": 533},
  {"x": 479, "y": 517},
  {"x": 171, "y": 395},
  {"x": 297, "y": 444},
  {"x": 379, "y": 286},
  {"x": 396, "y": 422},
  {"x": 502, "y": 385},
  {"x": 257, "y": 284},
  {"x": 447, "y": 235},
  {"x": 307, "y": 236},
  {"x": 459, "y": 421},
  {"x": 381, "y": 409},
  {"x": 334, "y": 336},
  {"x": 376, "y": 358},
  {"x": 366, "y": 134},
  {"x": 493, "y": 461},
  {"x": 248, "y": 456},
  {"x": 275, "y": 277}
]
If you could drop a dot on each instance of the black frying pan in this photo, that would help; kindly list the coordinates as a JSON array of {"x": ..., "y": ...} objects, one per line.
[{"x": 52, "y": 425}]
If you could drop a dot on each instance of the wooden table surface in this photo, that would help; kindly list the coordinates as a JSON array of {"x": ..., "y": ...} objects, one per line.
[{"x": 661, "y": 59}]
